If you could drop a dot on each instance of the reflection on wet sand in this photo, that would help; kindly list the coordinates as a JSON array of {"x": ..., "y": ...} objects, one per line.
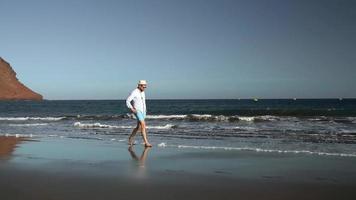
[
  {"x": 8, "y": 146},
  {"x": 139, "y": 162}
]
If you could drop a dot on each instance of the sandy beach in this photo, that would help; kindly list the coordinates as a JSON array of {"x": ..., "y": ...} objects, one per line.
[
  {"x": 60, "y": 168},
  {"x": 234, "y": 100}
]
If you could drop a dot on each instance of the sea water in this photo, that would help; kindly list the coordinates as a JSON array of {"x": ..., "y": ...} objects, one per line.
[{"x": 325, "y": 127}]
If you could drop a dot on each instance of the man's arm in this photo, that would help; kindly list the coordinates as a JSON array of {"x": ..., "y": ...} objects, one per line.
[{"x": 128, "y": 102}]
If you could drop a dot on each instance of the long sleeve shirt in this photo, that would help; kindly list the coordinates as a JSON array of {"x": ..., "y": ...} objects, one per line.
[{"x": 137, "y": 100}]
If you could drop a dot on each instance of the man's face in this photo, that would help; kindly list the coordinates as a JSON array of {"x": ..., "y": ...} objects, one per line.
[{"x": 142, "y": 87}]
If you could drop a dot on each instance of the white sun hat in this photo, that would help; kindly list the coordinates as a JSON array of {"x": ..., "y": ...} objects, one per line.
[{"x": 142, "y": 82}]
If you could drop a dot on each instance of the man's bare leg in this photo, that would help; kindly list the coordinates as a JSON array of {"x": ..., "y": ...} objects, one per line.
[
  {"x": 134, "y": 131},
  {"x": 143, "y": 157},
  {"x": 144, "y": 134}
]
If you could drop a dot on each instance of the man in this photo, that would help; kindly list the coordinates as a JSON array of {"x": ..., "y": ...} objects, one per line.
[{"x": 136, "y": 102}]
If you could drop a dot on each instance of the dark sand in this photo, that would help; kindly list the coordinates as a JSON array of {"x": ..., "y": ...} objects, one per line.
[{"x": 85, "y": 169}]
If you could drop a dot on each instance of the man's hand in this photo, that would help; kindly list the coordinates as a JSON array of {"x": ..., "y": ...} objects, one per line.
[{"x": 134, "y": 110}]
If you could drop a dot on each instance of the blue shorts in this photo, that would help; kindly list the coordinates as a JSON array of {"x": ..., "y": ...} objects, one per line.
[{"x": 140, "y": 116}]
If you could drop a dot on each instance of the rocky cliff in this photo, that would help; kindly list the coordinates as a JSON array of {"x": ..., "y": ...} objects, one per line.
[{"x": 11, "y": 88}]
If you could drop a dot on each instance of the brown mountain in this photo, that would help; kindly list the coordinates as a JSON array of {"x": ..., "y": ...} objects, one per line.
[{"x": 11, "y": 88}]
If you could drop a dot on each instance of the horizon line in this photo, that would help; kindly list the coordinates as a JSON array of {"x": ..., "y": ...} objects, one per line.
[{"x": 341, "y": 98}]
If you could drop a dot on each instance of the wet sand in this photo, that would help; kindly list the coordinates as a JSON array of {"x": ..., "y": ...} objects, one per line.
[
  {"x": 8, "y": 145},
  {"x": 89, "y": 169}
]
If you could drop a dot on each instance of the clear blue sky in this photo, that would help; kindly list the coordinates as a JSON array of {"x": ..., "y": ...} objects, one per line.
[{"x": 98, "y": 49}]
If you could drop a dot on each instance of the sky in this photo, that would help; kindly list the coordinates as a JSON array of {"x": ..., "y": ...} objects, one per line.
[{"x": 196, "y": 49}]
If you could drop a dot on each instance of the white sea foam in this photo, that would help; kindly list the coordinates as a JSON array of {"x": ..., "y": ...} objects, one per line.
[
  {"x": 191, "y": 117},
  {"x": 99, "y": 125},
  {"x": 167, "y": 126},
  {"x": 17, "y": 135},
  {"x": 269, "y": 117},
  {"x": 166, "y": 116},
  {"x": 352, "y": 119},
  {"x": 261, "y": 118},
  {"x": 345, "y": 131},
  {"x": 319, "y": 118},
  {"x": 162, "y": 144},
  {"x": 201, "y": 116},
  {"x": 53, "y": 135},
  {"x": 247, "y": 128},
  {"x": 198, "y": 117},
  {"x": 226, "y": 118},
  {"x": 31, "y": 118},
  {"x": 249, "y": 119},
  {"x": 269, "y": 150},
  {"x": 26, "y": 125}
]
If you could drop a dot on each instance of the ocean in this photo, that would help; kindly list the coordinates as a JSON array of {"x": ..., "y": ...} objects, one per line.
[{"x": 324, "y": 127}]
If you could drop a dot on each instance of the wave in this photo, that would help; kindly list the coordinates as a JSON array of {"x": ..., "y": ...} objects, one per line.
[
  {"x": 166, "y": 116},
  {"x": 167, "y": 126},
  {"x": 67, "y": 117},
  {"x": 99, "y": 125},
  {"x": 31, "y": 118},
  {"x": 351, "y": 132},
  {"x": 243, "y": 128},
  {"x": 320, "y": 118},
  {"x": 208, "y": 117},
  {"x": 189, "y": 117},
  {"x": 260, "y": 150},
  {"x": 26, "y": 125},
  {"x": 16, "y": 135},
  {"x": 223, "y": 118},
  {"x": 345, "y": 120},
  {"x": 352, "y": 119}
]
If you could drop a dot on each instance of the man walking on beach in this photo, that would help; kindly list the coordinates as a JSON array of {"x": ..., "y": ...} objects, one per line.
[{"x": 136, "y": 102}]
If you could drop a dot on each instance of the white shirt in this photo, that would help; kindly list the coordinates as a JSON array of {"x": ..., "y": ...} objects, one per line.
[{"x": 139, "y": 100}]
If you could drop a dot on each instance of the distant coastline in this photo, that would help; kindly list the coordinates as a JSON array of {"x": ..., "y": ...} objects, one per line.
[{"x": 11, "y": 88}]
